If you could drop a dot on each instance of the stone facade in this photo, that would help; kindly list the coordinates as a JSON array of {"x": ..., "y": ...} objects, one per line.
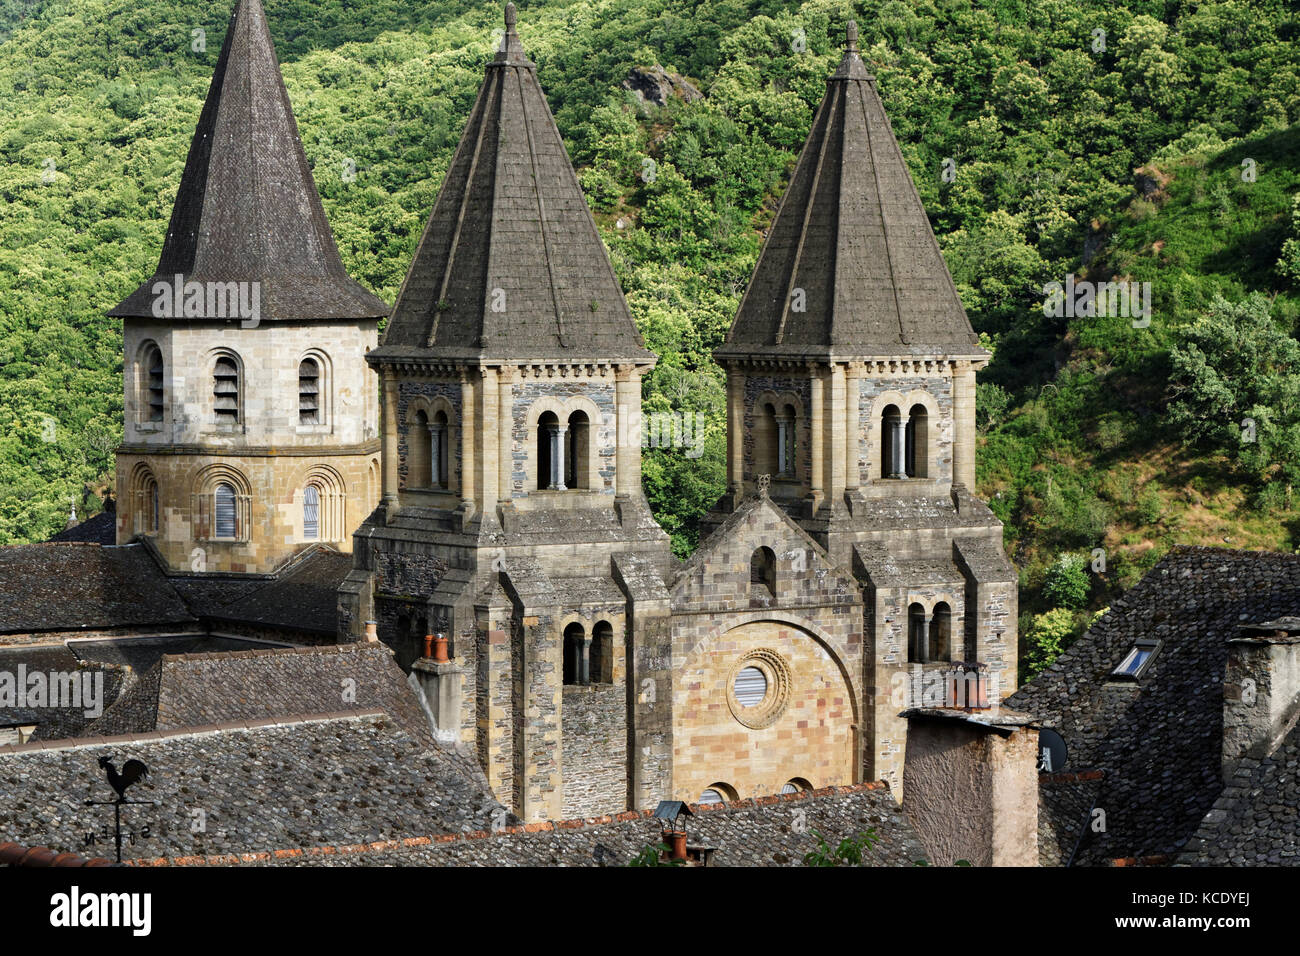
[{"x": 810, "y": 568}]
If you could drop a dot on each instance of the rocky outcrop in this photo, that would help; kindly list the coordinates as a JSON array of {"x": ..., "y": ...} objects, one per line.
[{"x": 654, "y": 84}]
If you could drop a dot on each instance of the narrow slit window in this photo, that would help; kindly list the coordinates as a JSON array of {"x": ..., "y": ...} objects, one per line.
[
  {"x": 309, "y": 392},
  {"x": 227, "y": 525},
  {"x": 311, "y": 513},
  {"x": 225, "y": 391}
]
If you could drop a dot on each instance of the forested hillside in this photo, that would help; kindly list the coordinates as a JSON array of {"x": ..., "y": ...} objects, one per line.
[{"x": 1153, "y": 142}]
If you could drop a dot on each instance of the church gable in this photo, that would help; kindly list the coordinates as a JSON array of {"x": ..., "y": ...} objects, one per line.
[{"x": 757, "y": 559}]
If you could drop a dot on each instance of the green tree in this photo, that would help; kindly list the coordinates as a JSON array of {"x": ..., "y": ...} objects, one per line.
[{"x": 1066, "y": 583}]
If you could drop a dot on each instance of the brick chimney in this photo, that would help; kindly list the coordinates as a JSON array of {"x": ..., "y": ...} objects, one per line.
[
  {"x": 1261, "y": 684},
  {"x": 970, "y": 785}
]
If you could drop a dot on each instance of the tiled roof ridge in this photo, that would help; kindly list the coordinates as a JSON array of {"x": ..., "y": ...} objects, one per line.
[
  {"x": 15, "y": 854},
  {"x": 293, "y": 720},
  {"x": 1080, "y": 776},
  {"x": 546, "y": 826},
  {"x": 349, "y": 647}
]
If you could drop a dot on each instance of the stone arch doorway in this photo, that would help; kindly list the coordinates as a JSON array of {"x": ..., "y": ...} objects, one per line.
[{"x": 759, "y": 705}]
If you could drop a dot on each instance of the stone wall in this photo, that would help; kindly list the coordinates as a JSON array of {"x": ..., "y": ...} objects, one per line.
[{"x": 594, "y": 756}]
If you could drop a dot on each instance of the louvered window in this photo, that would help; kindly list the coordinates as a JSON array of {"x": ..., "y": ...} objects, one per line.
[
  {"x": 154, "y": 366},
  {"x": 751, "y": 687},
  {"x": 311, "y": 513},
  {"x": 225, "y": 391},
  {"x": 308, "y": 392},
  {"x": 227, "y": 526},
  {"x": 710, "y": 796}
]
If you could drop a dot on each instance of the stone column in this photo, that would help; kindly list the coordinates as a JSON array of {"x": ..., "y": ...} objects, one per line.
[
  {"x": 837, "y": 419},
  {"x": 584, "y": 660},
  {"x": 963, "y": 424},
  {"x": 923, "y": 641},
  {"x": 899, "y": 444},
  {"x": 468, "y": 456},
  {"x": 436, "y": 438},
  {"x": 505, "y": 433},
  {"x": 557, "y": 456},
  {"x": 735, "y": 431},
  {"x": 853, "y": 421},
  {"x": 390, "y": 441},
  {"x": 488, "y": 399},
  {"x": 817, "y": 436},
  {"x": 627, "y": 465},
  {"x": 783, "y": 446}
]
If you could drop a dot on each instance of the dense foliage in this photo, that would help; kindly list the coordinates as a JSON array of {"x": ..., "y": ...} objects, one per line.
[{"x": 1148, "y": 141}]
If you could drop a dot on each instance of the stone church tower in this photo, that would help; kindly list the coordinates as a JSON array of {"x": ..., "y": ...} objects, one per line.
[
  {"x": 512, "y": 517},
  {"x": 851, "y": 382},
  {"x": 250, "y": 416}
]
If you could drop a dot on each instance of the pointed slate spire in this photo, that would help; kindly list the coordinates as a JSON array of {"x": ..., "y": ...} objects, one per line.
[
  {"x": 851, "y": 246},
  {"x": 511, "y": 266},
  {"x": 247, "y": 209}
]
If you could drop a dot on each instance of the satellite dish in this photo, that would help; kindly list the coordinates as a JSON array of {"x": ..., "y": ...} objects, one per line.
[{"x": 1052, "y": 753}]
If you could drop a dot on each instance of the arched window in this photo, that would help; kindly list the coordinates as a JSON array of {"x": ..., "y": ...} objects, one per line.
[
  {"x": 718, "y": 793},
  {"x": 762, "y": 576},
  {"x": 227, "y": 523},
  {"x": 918, "y": 643},
  {"x": 918, "y": 443},
  {"x": 151, "y": 405},
  {"x": 309, "y": 392},
  {"x": 311, "y": 513},
  {"x": 796, "y": 785},
  {"x": 225, "y": 391},
  {"x": 550, "y": 452},
  {"x": 579, "y": 434},
  {"x": 146, "y": 506},
  {"x": 893, "y": 451},
  {"x": 941, "y": 633},
  {"x": 576, "y": 660},
  {"x": 602, "y": 653},
  {"x": 439, "y": 451},
  {"x": 417, "y": 452}
]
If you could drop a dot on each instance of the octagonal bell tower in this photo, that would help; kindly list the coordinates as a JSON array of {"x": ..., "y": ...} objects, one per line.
[{"x": 250, "y": 414}]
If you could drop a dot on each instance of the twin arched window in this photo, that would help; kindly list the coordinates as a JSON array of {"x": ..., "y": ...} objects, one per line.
[
  {"x": 589, "y": 661},
  {"x": 563, "y": 452},
  {"x": 929, "y": 639},
  {"x": 429, "y": 451},
  {"x": 905, "y": 443},
  {"x": 780, "y": 421}
]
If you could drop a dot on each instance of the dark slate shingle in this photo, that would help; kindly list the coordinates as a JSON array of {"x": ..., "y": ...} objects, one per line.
[
  {"x": 851, "y": 236},
  {"x": 1159, "y": 741},
  {"x": 247, "y": 209},
  {"x": 510, "y": 216},
  {"x": 77, "y": 586}
]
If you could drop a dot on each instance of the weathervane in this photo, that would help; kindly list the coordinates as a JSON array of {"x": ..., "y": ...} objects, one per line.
[{"x": 132, "y": 771}]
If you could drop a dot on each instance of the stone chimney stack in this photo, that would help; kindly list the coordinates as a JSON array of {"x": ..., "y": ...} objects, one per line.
[
  {"x": 1261, "y": 685},
  {"x": 970, "y": 785}
]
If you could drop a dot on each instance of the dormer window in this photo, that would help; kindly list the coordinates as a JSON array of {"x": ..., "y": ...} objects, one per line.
[{"x": 1137, "y": 660}]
